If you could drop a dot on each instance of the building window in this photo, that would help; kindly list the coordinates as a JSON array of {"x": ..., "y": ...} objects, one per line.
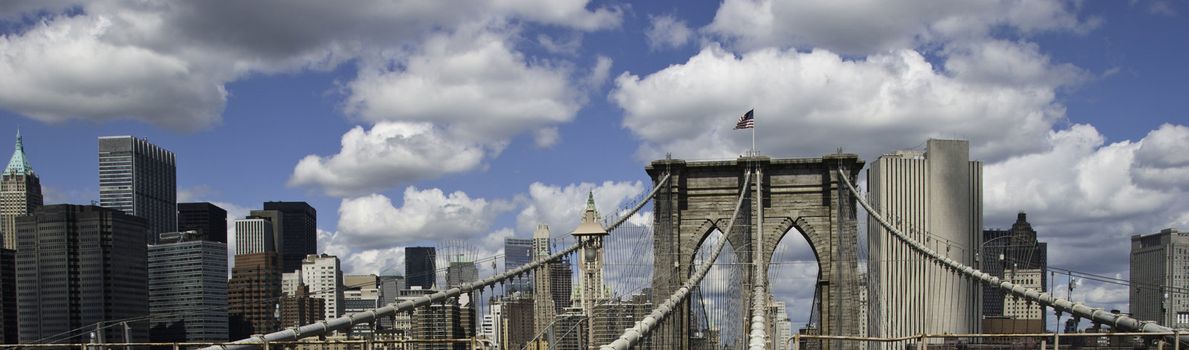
[{"x": 1182, "y": 317}]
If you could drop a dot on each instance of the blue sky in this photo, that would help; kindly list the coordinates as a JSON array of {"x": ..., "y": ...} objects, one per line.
[{"x": 474, "y": 120}]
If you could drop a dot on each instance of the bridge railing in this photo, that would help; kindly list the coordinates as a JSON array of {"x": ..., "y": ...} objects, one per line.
[
  {"x": 632, "y": 336},
  {"x": 1095, "y": 315},
  {"x": 326, "y": 344},
  {"x": 1105, "y": 340}
]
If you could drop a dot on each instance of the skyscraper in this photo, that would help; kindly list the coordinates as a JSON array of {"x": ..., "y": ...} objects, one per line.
[
  {"x": 254, "y": 235},
  {"x": 461, "y": 271},
  {"x": 325, "y": 279},
  {"x": 518, "y": 252},
  {"x": 1160, "y": 262},
  {"x": 299, "y": 232},
  {"x": 420, "y": 269},
  {"x": 187, "y": 288},
  {"x": 934, "y": 197},
  {"x": 207, "y": 219},
  {"x": 276, "y": 219},
  {"x": 139, "y": 178},
  {"x": 300, "y": 308},
  {"x": 545, "y": 308},
  {"x": 20, "y": 192},
  {"x": 78, "y": 265},
  {"x": 253, "y": 294},
  {"x": 1015, "y": 255}
]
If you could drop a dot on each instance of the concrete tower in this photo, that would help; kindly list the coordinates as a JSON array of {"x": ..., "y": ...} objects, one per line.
[
  {"x": 20, "y": 192},
  {"x": 935, "y": 197}
]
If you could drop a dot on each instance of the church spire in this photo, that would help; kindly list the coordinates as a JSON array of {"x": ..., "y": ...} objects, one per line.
[{"x": 18, "y": 165}]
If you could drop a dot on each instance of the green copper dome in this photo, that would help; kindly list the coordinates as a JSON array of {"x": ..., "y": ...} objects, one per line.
[{"x": 18, "y": 165}]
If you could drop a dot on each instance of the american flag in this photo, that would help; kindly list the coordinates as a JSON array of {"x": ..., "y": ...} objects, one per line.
[{"x": 747, "y": 121}]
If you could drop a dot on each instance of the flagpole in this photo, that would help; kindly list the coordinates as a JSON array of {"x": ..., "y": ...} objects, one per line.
[{"x": 754, "y": 151}]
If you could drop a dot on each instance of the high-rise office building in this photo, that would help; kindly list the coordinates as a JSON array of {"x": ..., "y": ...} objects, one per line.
[
  {"x": 8, "y": 286},
  {"x": 1160, "y": 262},
  {"x": 516, "y": 321},
  {"x": 140, "y": 179},
  {"x": 254, "y": 235},
  {"x": 518, "y": 252},
  {"x": 610, "y": 317},
  {"x": 253, "y": 294},
  {"x": 300, "y": 308},
  {"x": 934, "y": 197},
  {"x": 461, "y": 271},
  {"x": 78, "y": 265},
  {"x": 299, "y": 232},
  {"x": 420, "y": 267},
  {"x": 443, "y": 320},
  {"x": 276, "y": 219},
  {"x": 390, "y": 287},
  {"x": 545, "y": 307},
  {"x": 1015, "y": 255},
  {"x": 325, "y": 279},
  {"x": 20, "y": 192},
  {"x": 207, "y": 219},
  {"x": 361, "y": 293},
  {"x": 187, "y": 288}
]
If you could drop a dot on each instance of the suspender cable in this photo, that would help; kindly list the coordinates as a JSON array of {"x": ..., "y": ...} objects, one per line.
[{"x": 632, "y": 336}]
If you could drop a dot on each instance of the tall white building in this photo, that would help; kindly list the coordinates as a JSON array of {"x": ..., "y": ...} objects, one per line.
[
  {"x": 1160, "y": 262},
  {"x": 1019, "y": 308},
  {"x": 253, "y": 235},
  {"x": 934, "y": 197},
  {"x": 325, "y": 280}
]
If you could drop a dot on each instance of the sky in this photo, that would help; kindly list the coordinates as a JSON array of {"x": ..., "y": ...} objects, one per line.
[{"x": 408, "y": 122}]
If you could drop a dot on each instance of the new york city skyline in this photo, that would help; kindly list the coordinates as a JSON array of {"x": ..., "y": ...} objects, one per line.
[{"x": 473, "y": 122}]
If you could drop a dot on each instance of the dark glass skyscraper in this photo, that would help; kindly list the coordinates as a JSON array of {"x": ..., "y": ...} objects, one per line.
[
  {"x": 139, "y": 178},
  {"x": 78, "y": 265},
  {"x": 518, "y": 252},
  {"x": 299, "y": 232},
  {"x": 420, "y": 269},
  {"x": 207, "y": 219}
]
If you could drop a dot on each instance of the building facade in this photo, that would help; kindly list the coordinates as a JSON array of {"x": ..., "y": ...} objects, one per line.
[
  {"x": 299, "y": 232},
  {"x": 78, "y": 265},
  {"x": 300, "y": 308},
  {"x": 207, "y": 219},
  {"x": 277, "y": 221},
  {"x": 20, "y": 192},
  {"x": 1158, "y": 260},
  {"x": 516, "y": 321},
  {"x": 253, "y": 294},
  {"x": 254, "y": 235},
  {"x": 420, "y": 267},
  {"x": 518, "y": 252},
  {"x": 442, "y": 321},
  {"x": 461, "y": 271},
  {"x": 140, "y": 179},
  {"x": 1014, "y": 254},
  {"x": 187, "y": 288},
  {"x": 934, "y": 197},
  {"x": 323, "y": 275}
]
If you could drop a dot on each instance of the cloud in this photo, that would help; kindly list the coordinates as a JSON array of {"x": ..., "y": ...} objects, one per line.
[
  {"x": 389, "y": 154},
  {"x": 1086, "y": 198},
  {"x": 65, "y": 69},
  {"x": 667, "y": 32},
  {"x": 561, "y": 207},
  {"x": 867, "y": 27},
  {"x": 1162, "y": 160},
  {"x": 472, "y": 82},
  {"x": 567, "y": 46},
  {"x": 373, "y": 221},
  {"x": 168, "y": 63},
  {"x": 879, "y": 103}
]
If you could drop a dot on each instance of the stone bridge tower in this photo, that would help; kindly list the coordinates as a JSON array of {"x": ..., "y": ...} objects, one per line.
[{"x": 798, "y": 195}]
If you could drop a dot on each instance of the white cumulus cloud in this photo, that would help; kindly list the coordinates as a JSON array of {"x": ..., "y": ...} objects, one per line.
[
  {"x": 666, "y": 32},
  {"x": 373, "y": 221},
  {"x": 809, "y": 103},
  {"x": 561, "y": 207},
  {"x": 389, "y": 154}
]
